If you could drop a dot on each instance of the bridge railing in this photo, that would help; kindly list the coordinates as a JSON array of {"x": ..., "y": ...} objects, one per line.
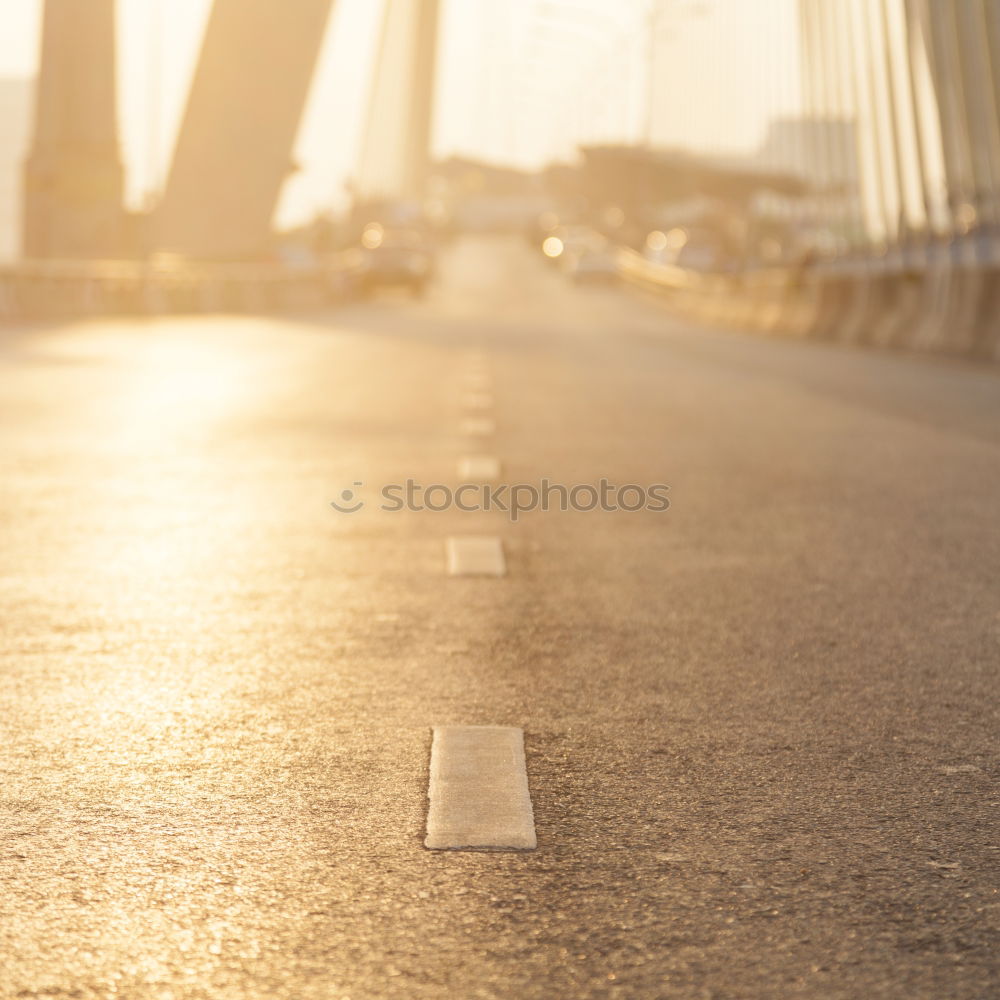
[
  {"x": 43, "y": 289},
  {"x": 947, "y": 302}
]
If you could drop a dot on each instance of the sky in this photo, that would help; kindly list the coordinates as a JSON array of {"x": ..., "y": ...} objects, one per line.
[{"x": 519, "y": 82}]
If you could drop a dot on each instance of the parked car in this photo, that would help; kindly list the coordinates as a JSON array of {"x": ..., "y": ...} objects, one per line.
[
  {"x": 395, "y": 258},
  {"x": 565, "y": 241},
  {"x": 593, "y": 265}
]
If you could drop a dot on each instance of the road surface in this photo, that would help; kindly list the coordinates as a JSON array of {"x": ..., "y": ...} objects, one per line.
[{"x": 760, "y": 726}]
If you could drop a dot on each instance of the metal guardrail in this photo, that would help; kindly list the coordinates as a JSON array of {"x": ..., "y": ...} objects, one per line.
[
  {"x": 43, "y": 289},
  {"x": 949, "y": 305}
]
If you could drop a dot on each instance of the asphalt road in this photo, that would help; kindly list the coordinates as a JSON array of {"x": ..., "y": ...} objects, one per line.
[{"x": 761, "y": 727}]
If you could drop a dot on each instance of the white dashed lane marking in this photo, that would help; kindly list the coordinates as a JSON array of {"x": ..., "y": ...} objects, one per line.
[
  {"x": 475, "y": 555},
  {"x": 478, "y": 401},
  {"x": 478, "y": 469},
  {"x": 478, "y": 791},
  {"x": 478, "y": 426}
]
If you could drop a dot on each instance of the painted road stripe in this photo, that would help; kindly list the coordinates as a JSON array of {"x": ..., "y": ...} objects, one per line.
[
  {"x": 478, "y": 426},
  {"x": 478, "y": 401},
  {"x": 478, "y": 790},
  {"x": 478, "y": 469},
  {"x": 475, "y": 555}
]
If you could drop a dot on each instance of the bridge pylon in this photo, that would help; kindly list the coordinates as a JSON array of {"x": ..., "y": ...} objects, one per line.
[{"x": 73, "y": 176}]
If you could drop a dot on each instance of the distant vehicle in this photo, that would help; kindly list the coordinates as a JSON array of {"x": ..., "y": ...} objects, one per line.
[
  {"x": 399, "y": 258},
  {"x": 564, "y": 241},
  {"x": 593, "y": 265},
  {"x": 582, "y": 253}
]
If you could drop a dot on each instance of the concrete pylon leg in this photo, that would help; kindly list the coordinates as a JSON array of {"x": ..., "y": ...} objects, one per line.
[
  {"x": 395, "y": 154},
  {"x": 73, "y": 175},
  {"x": 234, "y": 151}
]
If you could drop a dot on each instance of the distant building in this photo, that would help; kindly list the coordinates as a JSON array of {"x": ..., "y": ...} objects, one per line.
[
  {"x": 822, "y": 149},
  {"x": 15, "y": 119}
]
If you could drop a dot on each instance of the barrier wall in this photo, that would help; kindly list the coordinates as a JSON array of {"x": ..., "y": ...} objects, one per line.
[
  {"x": 950, "y": 305},
  {"x": 69, "y": 289}
]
